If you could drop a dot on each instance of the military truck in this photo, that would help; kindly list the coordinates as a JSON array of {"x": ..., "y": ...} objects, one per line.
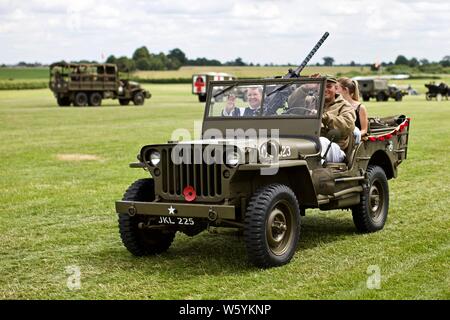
[
  {"x": 259, "y": 174},
  {"x": 380, "y": 90},
  {"x": 89, "y": 84},
  {"x": 200, "y": 82}
]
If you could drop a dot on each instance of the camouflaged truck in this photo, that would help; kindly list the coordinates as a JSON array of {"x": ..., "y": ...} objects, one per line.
[
  {"x": 88, "y": 84},
  {"x": 260, "y": 173}
]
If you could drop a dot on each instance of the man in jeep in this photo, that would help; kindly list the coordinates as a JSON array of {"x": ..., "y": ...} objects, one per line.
[{"x": 254, "y": 98}]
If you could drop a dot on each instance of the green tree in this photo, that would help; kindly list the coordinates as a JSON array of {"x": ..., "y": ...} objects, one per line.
[
  {"x": 111, "y": 59},
  {"x": 445, "y": 62},
  {"x": 125, "y": 64},
  {"x": 401, "y": 60},
  {"x": 328, "y": 61},
  {"x": 414, "y": 63},
  {"x": 141, "y": 53},
  {"x": 143, "y": 64},
  {"x": 177, "y": 54}
]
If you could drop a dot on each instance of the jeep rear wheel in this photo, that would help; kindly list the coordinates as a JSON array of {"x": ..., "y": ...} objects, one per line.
[
  {"x": 137, "y": 238},
  {"x": 272, "y": 226},
  {"x": 138, "y": 99},
  {"x": 81, "y": 99},
  {"x": 371, "y": 213},
  {"x": 398, "y": 96}
]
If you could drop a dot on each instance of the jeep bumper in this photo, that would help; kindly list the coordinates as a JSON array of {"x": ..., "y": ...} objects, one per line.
[{"x": 176, "y": 209}]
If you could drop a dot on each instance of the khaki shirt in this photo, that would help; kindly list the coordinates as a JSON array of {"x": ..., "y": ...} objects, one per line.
[{"x": 339, "y": 115}]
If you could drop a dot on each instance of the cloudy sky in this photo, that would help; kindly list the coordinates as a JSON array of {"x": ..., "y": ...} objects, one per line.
[{"x": 259, "y": 31}]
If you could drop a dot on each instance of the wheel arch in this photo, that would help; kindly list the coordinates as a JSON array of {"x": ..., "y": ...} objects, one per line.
[{"x": 381, "y": 159}]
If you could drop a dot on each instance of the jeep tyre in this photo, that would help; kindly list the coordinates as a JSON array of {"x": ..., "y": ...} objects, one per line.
[
  {"x": 80, "y": 100},
  {"x": 142, "y": 242},
  {"x": 371, "y": 213},
  {"x": 138, "y": 99},
  {"x": 95, "y": 99},
  {"x": 398, "y": 96},
  {"x": 272, "y": 226}
]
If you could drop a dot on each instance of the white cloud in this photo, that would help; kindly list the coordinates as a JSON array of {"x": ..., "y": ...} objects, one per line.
[{"x": 256, "y": 30}]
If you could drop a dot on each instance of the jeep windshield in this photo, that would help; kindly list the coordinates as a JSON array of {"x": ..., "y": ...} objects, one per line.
[{"x": 275, "y": 98}]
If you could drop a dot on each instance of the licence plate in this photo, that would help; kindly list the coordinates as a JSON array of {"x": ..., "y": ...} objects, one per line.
[{"x": 176, "y": 221}]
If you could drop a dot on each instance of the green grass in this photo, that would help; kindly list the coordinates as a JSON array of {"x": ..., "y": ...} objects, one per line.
[{"x": 61, "y": 213}]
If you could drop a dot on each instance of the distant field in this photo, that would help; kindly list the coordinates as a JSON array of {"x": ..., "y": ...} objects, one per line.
[
  {"x": 243, "y": 72},
  {"x": 61, "y": 170},
  {"x": 23, "y": 73}
]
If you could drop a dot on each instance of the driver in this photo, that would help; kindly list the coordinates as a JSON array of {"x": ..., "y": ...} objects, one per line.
[{"x": 254, "y": 98}]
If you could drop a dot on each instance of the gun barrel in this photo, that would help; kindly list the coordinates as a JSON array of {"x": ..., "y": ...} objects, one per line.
[{"x": 311, "y": 54}]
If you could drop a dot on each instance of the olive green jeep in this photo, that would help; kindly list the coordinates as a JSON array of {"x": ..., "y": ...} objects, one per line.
[{"x": 260, "y": 173}]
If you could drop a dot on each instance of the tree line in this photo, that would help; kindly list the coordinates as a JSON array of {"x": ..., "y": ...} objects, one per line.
[{"x": 143, "y": 59}]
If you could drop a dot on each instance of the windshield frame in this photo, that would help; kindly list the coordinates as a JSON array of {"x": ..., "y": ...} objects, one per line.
[{"x": 264, "y": 82}]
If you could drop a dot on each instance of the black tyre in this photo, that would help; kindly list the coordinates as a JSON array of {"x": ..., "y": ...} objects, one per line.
[
  {"x": 142, "y": 241},
  {"x": 81, "y": 99},
  {"x": 63, "y": 101},
  {"x": 371, "y": 213},
  {"x": 381, "y": 96},
  {"x": 138, "y": 99},
  {"x": 202, "y": 97},
  {"x": 366, "y": 98},
  {"x": 398, "y": 96},
  {"x": 95, "y": 99},
  {"x": 124, "y": 102},
  {"x": 272, "y": 226}
]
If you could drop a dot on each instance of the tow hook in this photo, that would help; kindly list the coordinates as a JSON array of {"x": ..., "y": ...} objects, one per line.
[
  {"x": 132, "y": 211},
  {"x": 212, "y": 215}
]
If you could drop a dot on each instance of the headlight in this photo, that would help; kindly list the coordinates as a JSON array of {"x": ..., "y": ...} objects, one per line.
[
  {"x": 155, "y": 158},
  {"x": 233, "y": 159}
]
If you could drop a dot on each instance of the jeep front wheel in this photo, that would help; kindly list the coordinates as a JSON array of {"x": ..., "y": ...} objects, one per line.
[
  {"x": 371, "y": 213},
  {"x": 136, "y": 232},
  {"x": 272, "y": 226}
]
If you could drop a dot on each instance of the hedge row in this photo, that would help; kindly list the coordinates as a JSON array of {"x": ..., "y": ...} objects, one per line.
[{"x": 21, "y": 85}]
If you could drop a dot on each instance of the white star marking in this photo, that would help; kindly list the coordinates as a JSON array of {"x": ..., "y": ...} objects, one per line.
[{"x": 171, "y": 210}]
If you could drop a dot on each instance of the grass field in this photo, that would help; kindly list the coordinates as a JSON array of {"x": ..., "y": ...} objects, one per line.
[{"x": 57, "y": 210}]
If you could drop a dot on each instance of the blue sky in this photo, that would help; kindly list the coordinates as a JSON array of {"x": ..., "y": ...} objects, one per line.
[{"x": 260, "y": 31}]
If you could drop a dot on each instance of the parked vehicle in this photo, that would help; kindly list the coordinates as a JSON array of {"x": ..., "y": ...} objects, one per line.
[{"x": 89, "y": 84}]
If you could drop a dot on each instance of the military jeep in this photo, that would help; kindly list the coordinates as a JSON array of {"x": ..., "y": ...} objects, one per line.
[
  {"x": 260, "y": 173},
  {"x": 89, "y": 84},
  {"x": 380, "y": 90}
]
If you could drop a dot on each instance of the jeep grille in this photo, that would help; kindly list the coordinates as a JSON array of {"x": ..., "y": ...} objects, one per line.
[{"x": 205, "y": 178}]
